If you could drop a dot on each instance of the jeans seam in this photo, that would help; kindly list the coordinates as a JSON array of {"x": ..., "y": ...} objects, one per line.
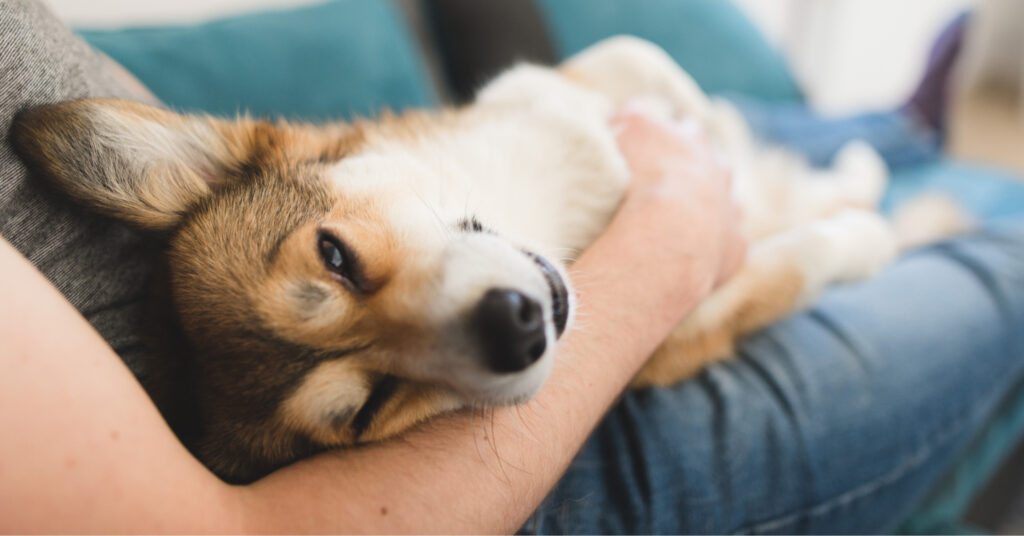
[{"x": 865, "y": 489}]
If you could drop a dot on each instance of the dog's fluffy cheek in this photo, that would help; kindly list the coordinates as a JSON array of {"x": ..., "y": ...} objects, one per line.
[
  {"x": 309, "y": 312},
  {"x": 326, "y": 400}
]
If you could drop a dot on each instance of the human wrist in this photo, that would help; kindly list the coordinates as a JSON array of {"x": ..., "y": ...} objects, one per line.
[{"x": 653, "y": 272}]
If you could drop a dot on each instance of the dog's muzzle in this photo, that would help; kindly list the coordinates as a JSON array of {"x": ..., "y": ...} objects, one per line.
[
  {"x": 510, "y": 324},
  {"x": 559, "y": 293}
]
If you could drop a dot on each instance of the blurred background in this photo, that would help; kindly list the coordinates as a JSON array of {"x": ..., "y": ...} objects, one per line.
[
  {"x": 836, "y": 57},
  {"x": 831, "y": 45},
  {"x": 847, "y": 55}
]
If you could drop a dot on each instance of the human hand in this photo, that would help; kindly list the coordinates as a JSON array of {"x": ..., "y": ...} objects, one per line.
[
  {"x": 675, "y": 237},
  {"x": 681, "y": 191}
]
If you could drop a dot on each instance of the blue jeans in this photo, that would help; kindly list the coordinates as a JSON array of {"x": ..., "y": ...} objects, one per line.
[
  {"x": 898, "y": 138},
  {"x": 838, "y": 419}
]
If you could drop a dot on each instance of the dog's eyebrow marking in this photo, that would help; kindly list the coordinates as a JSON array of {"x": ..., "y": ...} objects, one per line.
[
  {"x": 275, "y": 248},
  {"x": 309, "y": 297},
  {"x": 341, "y": 417},
  {"x": 471, "y": 224},
  {"x": 380, "y": 394}
]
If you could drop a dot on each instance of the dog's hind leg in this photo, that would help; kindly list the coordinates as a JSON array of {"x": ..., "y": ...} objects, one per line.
[{"x": 781, "y": 274}]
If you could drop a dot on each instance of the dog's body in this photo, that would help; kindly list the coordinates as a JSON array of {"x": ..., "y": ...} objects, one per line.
[{"x": 339, "y": 284}]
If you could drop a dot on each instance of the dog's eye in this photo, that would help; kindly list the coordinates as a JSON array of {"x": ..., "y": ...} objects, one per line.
[
  {"x": 338, "y": 259},
  {"x": 332, "y": 255}
]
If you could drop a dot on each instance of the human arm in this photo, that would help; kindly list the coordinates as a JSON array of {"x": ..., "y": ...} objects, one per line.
[{"x": 86, "y": 451}]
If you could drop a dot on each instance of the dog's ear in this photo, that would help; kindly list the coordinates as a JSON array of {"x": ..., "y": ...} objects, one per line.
[{"x": 132, "y": 161}]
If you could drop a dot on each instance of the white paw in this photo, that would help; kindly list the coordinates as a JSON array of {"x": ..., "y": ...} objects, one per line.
[
  {"x": 861, "y": 243},
  {"x": 850, "y": 246},
  {"x": 863, "y": 173},
  {"x": 928, "y": 218}
]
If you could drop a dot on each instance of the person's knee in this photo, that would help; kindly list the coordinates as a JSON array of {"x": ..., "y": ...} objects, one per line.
[
  {"x": 994, "y": 253},
  {"x": 992, "y": 260}
]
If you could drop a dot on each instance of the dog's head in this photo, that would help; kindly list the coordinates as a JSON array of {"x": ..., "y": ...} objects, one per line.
[{"x": 329, "y": 299}]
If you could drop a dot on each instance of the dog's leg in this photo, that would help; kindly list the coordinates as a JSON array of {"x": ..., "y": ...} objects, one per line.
[
  {"x": 857, "y": 179},
  {"x": 626, "y": 67},
  {"x": 782, "y": 273},
  {"x": 783, "y": 192}
]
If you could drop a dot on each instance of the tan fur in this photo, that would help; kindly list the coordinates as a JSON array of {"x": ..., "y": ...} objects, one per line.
[
  {"x": 332, "y": 385},
  {"x": 184, "y": 156},
  {"x": 763, "y": 292},
  {"x": 412, "y": 404}
]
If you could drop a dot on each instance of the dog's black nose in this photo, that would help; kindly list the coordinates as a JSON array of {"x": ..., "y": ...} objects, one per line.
[{"x": 511, "y": 329}]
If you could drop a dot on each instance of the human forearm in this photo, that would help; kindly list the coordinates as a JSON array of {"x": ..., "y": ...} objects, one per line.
[{"x": 83, "y": 449}]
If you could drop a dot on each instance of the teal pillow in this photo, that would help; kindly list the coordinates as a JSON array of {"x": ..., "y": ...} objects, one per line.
[
  {"x": 711, "y": 39},
  {"x": 340, "y": 59}
]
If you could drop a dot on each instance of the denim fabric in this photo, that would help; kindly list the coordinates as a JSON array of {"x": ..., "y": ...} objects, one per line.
[
  {"x": 838, "y": 419},
  {"x": 899, "y": 139},
  {"x": 911, "y": 150}
]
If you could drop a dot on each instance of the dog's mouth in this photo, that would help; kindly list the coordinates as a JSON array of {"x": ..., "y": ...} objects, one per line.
[{"x": 559, "y": 293}]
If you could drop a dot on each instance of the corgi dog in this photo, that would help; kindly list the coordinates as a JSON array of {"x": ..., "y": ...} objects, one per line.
[{"x": 336, "y": 284}]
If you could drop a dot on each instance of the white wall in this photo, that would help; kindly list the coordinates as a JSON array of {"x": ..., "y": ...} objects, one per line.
[
  {"x": 113, "y": 13},
  {"x": 852, "y": 55},
  {"x": 772, "y": 16}
]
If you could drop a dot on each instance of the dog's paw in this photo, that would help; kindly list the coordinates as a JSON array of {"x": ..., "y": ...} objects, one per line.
[
  {"x": 863, "y": 173},
  {"x": 928, "y": 218},
  {"x": 860, "y": 244}
]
